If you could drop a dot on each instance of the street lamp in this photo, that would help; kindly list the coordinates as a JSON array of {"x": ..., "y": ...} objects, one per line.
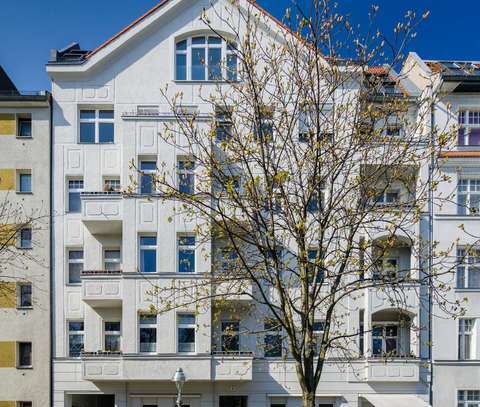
[{"x": 179, "y": 380}]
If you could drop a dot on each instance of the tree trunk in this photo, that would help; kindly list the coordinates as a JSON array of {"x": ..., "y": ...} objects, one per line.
[{"x": 308, "y": 399}]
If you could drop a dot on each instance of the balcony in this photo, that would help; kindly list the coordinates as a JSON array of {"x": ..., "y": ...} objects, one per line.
[
  {"x": 232, "y": 366},
  {"x": 101, "y": 288},
  {"x": 102, "y": 212},
  {"x": 234, "y": 290},
  {"x": 131, "y": 367},
  {"x": 385, "y": 298},
  {"x": 396, "y": 370}
]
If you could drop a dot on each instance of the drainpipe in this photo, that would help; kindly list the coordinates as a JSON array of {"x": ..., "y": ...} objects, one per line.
[{"x": 51, "y": 256}]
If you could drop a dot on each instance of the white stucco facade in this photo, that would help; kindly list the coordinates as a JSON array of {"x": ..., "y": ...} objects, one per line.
[{"x": 122, "y": 76}]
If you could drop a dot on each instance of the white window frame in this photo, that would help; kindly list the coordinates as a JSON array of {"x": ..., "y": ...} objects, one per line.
[
  {"x": 147, "y": 247},
  {"x": 96, "y": 120},
  {"x": 384, "y": 325},
  {"x": 21, "y": 117},
  {"x": 112, "y": 260},
  {"x": 466, "y": 331},
  {"x": 21, "y": 173},
  {"x": 107, "y": 184},
  {"x": 225, "y": 53},
  {"x": 74, "y": 261},
  {"x": 29, "y": 366},
  {"x": 186, "y": 170},
  {"x": 19, "y": 295},
  {"x": 386, "y": 261},
  {"x": 463, "y": 119},
  {"x": 112, "y": 333},
  {"x": 186, "y": 247},
  {"x": 74, "y": 190},
  {"x": 187, "y": 326},
  {"x": 147, "y": 326},
  {"x": 79, "y": 333},
  {"x": 466, "y": 261},
  {"x": 27, "y": 245},
  {"x": 463, "y": 398},
  {"x": 466, "y": 187}
]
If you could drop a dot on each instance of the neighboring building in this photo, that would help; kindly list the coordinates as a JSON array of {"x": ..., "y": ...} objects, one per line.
[
  {"x": 109, "y": 349},
  {"x": 454, "y": 87},
  {"x": 25, "y": 254}
]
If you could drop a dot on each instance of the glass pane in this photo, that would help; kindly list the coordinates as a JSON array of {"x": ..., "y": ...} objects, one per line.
[
  {"x": 214, "y": 40},
  {"x": 181, "y": 67},
  {"x": 74, "y": 203},
  {"x": 112, "y": 343},
  {"x": 25, "y": 357},
  {"x": 112, "y": 254},
  {"x": 26, "y": 238},
  {"x": 146, "y": 184},
  {"x": 26, "y": 295},
  {"x": 391, "y": 346},
  {"x": 75, "y": 345},
  {"x": 186, "y": 241},
  {"x": 147, "y": 319},
  {"x": 230, "y": 343},
  {"x": 214, "y": 64},
  {"x": 186, "y": 339},
  {"x": 182, "y": 45},
  {"x": 198, "y": 40},
  {"x": 273, "y": 346},
  {"x": 231, "y": 67},
  {"x": 148, "y": 339},
  {"x": 474, "y": 277},
  {"x": 75, "y": 326},
  {"x": 112, "y": 326},
  {"x": 186, "y": 319},
  {"x": 25, "y": 128},
  {"x": 75, "y": 254},
  {"x": 462, "y": 204},
  {"x": 460, "y": 277},
  {"x": 186, "y": 261},
  {"x": 148, "y": 241},
  {"x": 377, "y": 346},
  {"x": 106, "y": 114},
  {"x": 198, "y": 64},
  {"x": 25, "y": 182},
  {"x": 87, "y": 132},
  {"x": 148, "y": 261},
  {"x": 87, "y": 114},
  {"x": 148, "y": 165},
  {"x": 474, "y": 206},
  {"x": 223, "y": 132},
  {"x": 186, "y": 183},
  {"x": 74, "y": 272},
  {"x": 105, "y": 133}
]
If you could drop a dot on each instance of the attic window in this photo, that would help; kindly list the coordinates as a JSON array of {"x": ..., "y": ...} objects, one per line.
[{"x": 205, "y": 58}]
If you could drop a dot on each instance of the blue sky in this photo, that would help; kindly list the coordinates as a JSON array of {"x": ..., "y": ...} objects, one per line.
[{"x": 27, "y": 35}]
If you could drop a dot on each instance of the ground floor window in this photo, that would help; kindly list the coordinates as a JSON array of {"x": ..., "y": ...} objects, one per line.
[
  {"x": 92, "y": 400},
  {"x": 468, "y": 398},
  {"x": 233, "y": 401}
]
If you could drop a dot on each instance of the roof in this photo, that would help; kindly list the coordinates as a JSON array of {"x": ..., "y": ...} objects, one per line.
[
  {"x": 73, "y": 54},
  {"x": 460, "y": 154},
  {"x": 6, "y": 84},
  {"x": 454, "y": 68},
  {"x": 389, "y": 79}
]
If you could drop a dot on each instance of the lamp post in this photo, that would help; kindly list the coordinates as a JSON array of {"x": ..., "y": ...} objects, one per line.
[{"x": 179, "y": 380}]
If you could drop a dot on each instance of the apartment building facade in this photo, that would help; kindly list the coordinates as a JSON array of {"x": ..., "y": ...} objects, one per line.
[
  {"x": 25, "y": 254},
  {"x": 454, "y": 87}
]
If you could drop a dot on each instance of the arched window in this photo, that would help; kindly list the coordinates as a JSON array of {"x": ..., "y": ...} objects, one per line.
[{"x": 205, "y": 58}]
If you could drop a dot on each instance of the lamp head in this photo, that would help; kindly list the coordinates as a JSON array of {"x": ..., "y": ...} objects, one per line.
[{"x": 179, "y": 379}]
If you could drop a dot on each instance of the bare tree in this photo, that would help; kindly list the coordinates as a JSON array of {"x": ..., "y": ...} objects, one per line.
[{"x": 311, "y": 178}]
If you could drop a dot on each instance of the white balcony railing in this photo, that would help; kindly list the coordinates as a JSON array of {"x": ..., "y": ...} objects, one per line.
[{"x": 102, "y": 212}]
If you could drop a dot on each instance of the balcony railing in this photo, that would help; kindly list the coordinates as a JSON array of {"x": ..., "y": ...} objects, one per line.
[
  {"x": 232, "y": 353},
  {"x": 100, "y": 272}
]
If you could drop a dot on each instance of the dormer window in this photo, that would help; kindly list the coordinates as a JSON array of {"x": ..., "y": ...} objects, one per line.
[{"x": 205, "y": 58}]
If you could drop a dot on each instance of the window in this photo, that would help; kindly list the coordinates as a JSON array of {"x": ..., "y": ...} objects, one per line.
[
  {"x": 318, "y": 329},
  {"x": 148, "y": 254},
  {"x": 186, "y": 326},
  {"x": 24, "y": 355},
  {"x": 223, "y": 124},
  {"x": 111, "y": 185},
  {"x": 465, "y": 333},
  {"x": 75, "y": 266},
  {"x": 186, "y": 254},
  {"x": 386, "y": 268},
  {"x": 24, "y": 299},
  {"x": 147, "y": 172},
  {"x": 24, "y": 127},
  {"x": 230, "y": 336},
  {"x": 186, "y": 176},
  {"x": 468, "y": 398},
  {"x": 313, "y": 260},
  {"x": 25, "y": 238},
  {"x": 75, "y": 187},
  {"x": 201, "y": 58},
  {"x": 233, "y": 401},
  {"x": 468, "y": 268},
  {"x": 305, "y": 126},
  {"x": 112, "y": 336},
  {"x": 469, "y": 128},
  {"x": 316, "y": 202},
  {"x": 24, "y": 182},
  {"x": 229, "y": 260},
  {"x": 96, "y": 126},
  {"x": 75, "y": 338},
  {"x": 385, "y": 340},
  {"x": 112, "y": 260},
  {"x": 387, "y": 197},
  {"x": 24, "y": 404},
  {"x": 468, "y": 196},
  {"x": 273, "y": 339},
  {"x": 148, "y": 333},
  {"x": 263, "y": 128},
  {"x": 394, "y": 130}
]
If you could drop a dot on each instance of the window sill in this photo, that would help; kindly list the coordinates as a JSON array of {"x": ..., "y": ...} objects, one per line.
[
  {"x": 25, "y": 367},
  {"x": 24, "y": 248},
  {"x": 467, "y": 289},
  {"x": 73, "y": 284},
  {"x": 24, "y": 192},
  {"x": 23, "y": 138},
  {"x": 25, "y": 308}
]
